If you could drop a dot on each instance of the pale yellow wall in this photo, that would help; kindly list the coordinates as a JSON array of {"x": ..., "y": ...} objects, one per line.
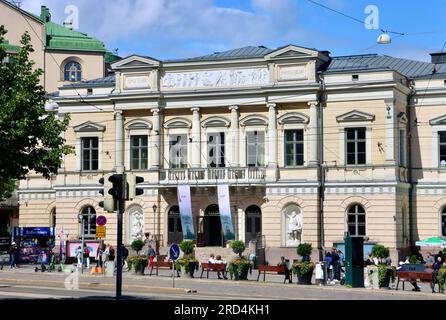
[
  {"x": 17, "y": 24},
  {"x": 93, "y": 66}
]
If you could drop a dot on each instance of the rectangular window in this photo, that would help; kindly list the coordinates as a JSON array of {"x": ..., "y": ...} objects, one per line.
[
  {"x": 178, "y": 151},
  {"x": 216, "y": 149},
  {"x": 294, "y": 148},
  {"x": 355, "y": 146},
  {"x": 402, "y": 148},
  {"x": 90, "y": 154},
  {"x": 255, "y": 148},
  {"x": 442, "y": 148},
  {"x": 138, "y": 152}
]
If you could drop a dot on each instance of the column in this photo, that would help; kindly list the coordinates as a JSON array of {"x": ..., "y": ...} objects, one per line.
[
  {"x": 272, "y": 136},
  {"x": 119, "y": 142},
  {"x": 235, "y": 136},
  {"x": 156, "y": 140},
  {"x": 314, "y": 137},
  {"x": 390, "y": 132},
  {"x": 196, "y": 138}
]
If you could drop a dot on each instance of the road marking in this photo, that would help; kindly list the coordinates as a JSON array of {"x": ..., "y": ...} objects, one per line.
[{"x": 32, "y": 295}]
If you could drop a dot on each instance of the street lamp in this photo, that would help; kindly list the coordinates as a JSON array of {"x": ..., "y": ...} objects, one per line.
[
  {"x": 81, "y": 219},
  {"x": 154, "y": 207}
]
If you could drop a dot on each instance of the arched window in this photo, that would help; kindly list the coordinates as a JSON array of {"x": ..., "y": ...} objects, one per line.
[
  {"x": 443, "y": 222},
  {"x": 73, "y": 71},
  {"x": 356, "y": 220},
  {"x": 89, "y": 216}
]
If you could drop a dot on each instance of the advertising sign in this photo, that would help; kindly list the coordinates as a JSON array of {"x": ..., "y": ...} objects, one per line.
[
  {"x": 185, "y": 205},
  {"x": 93, "y": 246},
  {"x": 34, "y": 232},
  {"x": 225, "y": 212}
]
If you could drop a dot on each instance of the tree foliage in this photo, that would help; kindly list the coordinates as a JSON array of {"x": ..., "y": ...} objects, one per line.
[{"x": 30, "y": 137}]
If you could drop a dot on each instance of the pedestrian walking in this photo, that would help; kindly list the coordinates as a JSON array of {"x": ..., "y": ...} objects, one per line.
[
  {"x": 79, "y": 256},
  {"x": 99, "y": 256},
  {"x": 87, "y": 257},
  {"x": 151, "y": 254},
  {"x": 125, "y": 255},
  {"x": 13, "y": 255},
  {"x": 284, "y": 263}
]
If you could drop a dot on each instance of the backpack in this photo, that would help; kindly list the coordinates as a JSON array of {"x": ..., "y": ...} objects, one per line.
[{"x": 87, "y": 251}]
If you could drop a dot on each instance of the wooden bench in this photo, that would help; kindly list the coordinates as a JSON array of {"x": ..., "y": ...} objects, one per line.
[
  {"x": 161, "y": 265},
  {"x": 411, "y": 276},
  {"x": 272, "y": 270},
  {"x": 212, "y": 267}
]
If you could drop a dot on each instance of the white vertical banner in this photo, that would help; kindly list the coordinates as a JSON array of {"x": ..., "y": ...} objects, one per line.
[
  {"x": 225, "y": 212},
  {"x": 185, "y": 204}
]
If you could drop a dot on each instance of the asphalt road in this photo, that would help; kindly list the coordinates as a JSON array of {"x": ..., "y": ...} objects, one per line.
[{"x": 25, "y": 284}]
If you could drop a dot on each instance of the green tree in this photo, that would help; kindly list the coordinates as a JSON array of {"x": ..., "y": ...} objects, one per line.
[{"x": 30, "y": 136}]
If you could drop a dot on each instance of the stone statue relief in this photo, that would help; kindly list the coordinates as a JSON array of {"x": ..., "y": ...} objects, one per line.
[
  {"x": 293, "y": 223},
  {"x": 136, "y": 224}
]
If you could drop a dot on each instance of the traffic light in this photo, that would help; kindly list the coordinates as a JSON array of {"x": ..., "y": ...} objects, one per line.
[
  {"x": 132, "y": 190},
  {"x": 109, "y": 204},
  {"x": 117, "y": 190}
]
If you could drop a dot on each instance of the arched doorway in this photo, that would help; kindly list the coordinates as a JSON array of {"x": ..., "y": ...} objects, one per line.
[
  {"x": 175, "y": 229},
  {"x": 212, "y": 226},
  {"x": 253, "y": 223}
]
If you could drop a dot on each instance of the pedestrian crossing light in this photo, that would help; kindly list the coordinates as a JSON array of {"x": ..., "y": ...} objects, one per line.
[
  {"x": 132, "y": 182},
  {"x": 109, "y": 204}
]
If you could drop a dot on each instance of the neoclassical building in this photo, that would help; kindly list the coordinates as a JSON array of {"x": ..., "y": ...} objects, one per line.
[{"x": 311, "y": 146}]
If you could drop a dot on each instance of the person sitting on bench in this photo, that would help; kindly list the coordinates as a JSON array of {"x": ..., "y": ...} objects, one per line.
[
  {"x": 287, "y": 270},
  {"x": 218, "y": 260}
]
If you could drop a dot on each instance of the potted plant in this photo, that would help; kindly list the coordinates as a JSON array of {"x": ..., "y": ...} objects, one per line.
[
  {"x": 239, "y": 267},
  {"x": 385, "y": 273},
  {"x": 188, "y": 262},
  {"x": 304, "y": 269},
  {"x": 137, "y": 245},
  {"x": 138, "y": 263}
]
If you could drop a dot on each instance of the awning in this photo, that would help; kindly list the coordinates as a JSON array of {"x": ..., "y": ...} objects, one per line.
[{"x": 432, "y": 242}]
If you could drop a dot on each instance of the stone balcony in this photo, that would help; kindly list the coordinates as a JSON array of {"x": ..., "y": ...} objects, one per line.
[{"x": 205, "y": 176}]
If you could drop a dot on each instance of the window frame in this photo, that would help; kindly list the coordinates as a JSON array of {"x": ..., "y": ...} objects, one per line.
[
  {"x": 90, "y": 149},
  {"x": 69, "y": 71},
  {"x": 285, "y": 143},
  {"x": 256, "y": 145},
  {"x": 140, "y": 147},
  {"x": 357, "y": 224},
  {"x": 356, "y": 141},
  {"x": 219, "y": 133},
  {"x": 183, "y": 157},
  {"x": 443, "y": 216},
  {"x": 88, "y": 225}
]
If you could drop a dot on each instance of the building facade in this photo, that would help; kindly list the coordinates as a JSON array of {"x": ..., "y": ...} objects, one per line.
[
  {"x": 312, "y": 146},
  {"x": 66, "y": 56}
]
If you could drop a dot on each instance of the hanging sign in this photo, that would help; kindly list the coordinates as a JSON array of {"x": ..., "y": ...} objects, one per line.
[
  {"x": 225, "y": 212},
  {"x": 185, "y": 204}
]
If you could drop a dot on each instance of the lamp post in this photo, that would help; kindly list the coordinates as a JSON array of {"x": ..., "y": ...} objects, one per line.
[{"x": 81, "y": 219}]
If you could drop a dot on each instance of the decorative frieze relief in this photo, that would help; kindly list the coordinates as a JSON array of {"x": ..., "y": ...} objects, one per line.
[
  {"x": 216, "y": 78},
  {"x": 431, "y": 191},
  {"x": 72, "y": 194}
]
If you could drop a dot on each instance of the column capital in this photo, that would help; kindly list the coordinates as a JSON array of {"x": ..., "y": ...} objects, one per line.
[
  {"x": 271, "y": 105},
  {"x": 155, "y": 110},
  {"x": 313, "y": 103},
  {"x": 195, "y": 109},
  {"x": 234, "y": 108}
]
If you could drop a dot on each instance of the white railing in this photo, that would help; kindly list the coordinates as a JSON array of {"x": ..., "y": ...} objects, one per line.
[{"x": 212, "y": 175}]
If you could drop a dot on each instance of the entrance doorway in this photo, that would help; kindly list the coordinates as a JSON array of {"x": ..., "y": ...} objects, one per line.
[
  {"x": 175, "y": 230},
  {"x": 211, "y": 231},
  {"x": 253, "y": 223}
]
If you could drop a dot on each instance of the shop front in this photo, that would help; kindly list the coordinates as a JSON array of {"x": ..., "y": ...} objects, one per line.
[{"x": 33, "y": 242}]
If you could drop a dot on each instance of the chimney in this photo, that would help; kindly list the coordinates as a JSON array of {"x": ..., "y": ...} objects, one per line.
[
  {"x": 45, "y": 14},
  {"x": 438, "y": 57}
]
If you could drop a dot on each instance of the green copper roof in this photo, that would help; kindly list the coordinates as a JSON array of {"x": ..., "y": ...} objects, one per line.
[
  {"x": 62, "y": 38},
  {"x": 9, "y": 47},
  {"x": 111, "y": 57}
]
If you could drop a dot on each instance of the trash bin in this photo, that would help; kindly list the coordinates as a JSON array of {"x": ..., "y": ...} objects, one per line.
[{"x": 110, "y": 268}]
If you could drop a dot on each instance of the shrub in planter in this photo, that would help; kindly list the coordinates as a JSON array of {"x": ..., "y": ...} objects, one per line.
[
  {"x": 187, "y": 246},
  {"x": 239, "y": 268},
  {"x": 238, "y": 247},
  {"x": 137, "y": 245},
  {"x": 304, "y": 271},
  {"x": 385, "y": 273},
  {"x": 138, "y": 263},
  {"x": 304, "y": 250},
  {"x": 189, "y": 265}
]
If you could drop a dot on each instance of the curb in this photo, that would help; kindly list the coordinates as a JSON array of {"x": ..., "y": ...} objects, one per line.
[{"x": 90, "y": 285}]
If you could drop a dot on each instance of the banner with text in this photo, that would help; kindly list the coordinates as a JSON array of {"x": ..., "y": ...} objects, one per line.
[
  {"x": 225, "y": 212},
  {"x": 185, "y": 204}
]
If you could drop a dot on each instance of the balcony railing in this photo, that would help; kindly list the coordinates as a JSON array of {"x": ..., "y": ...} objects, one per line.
[{"x": 212, "y": 175}]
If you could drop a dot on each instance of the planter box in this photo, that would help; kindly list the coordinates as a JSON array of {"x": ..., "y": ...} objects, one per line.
[
  {"x": 305, "y": 279},
  {"x": 243, "y": 274}
]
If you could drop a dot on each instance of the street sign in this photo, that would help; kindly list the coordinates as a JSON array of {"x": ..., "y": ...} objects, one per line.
[
  {"x": 174, "y": 252},
  {"x": 101, "y": 221},
  {"x": 101, "y": 232}
]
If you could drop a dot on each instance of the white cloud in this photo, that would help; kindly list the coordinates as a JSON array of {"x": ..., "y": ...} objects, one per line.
[{"x": 183, "y": 24}]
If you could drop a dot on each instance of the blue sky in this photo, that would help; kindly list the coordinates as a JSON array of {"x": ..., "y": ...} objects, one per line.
[{"x": 167, "y": 29}]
